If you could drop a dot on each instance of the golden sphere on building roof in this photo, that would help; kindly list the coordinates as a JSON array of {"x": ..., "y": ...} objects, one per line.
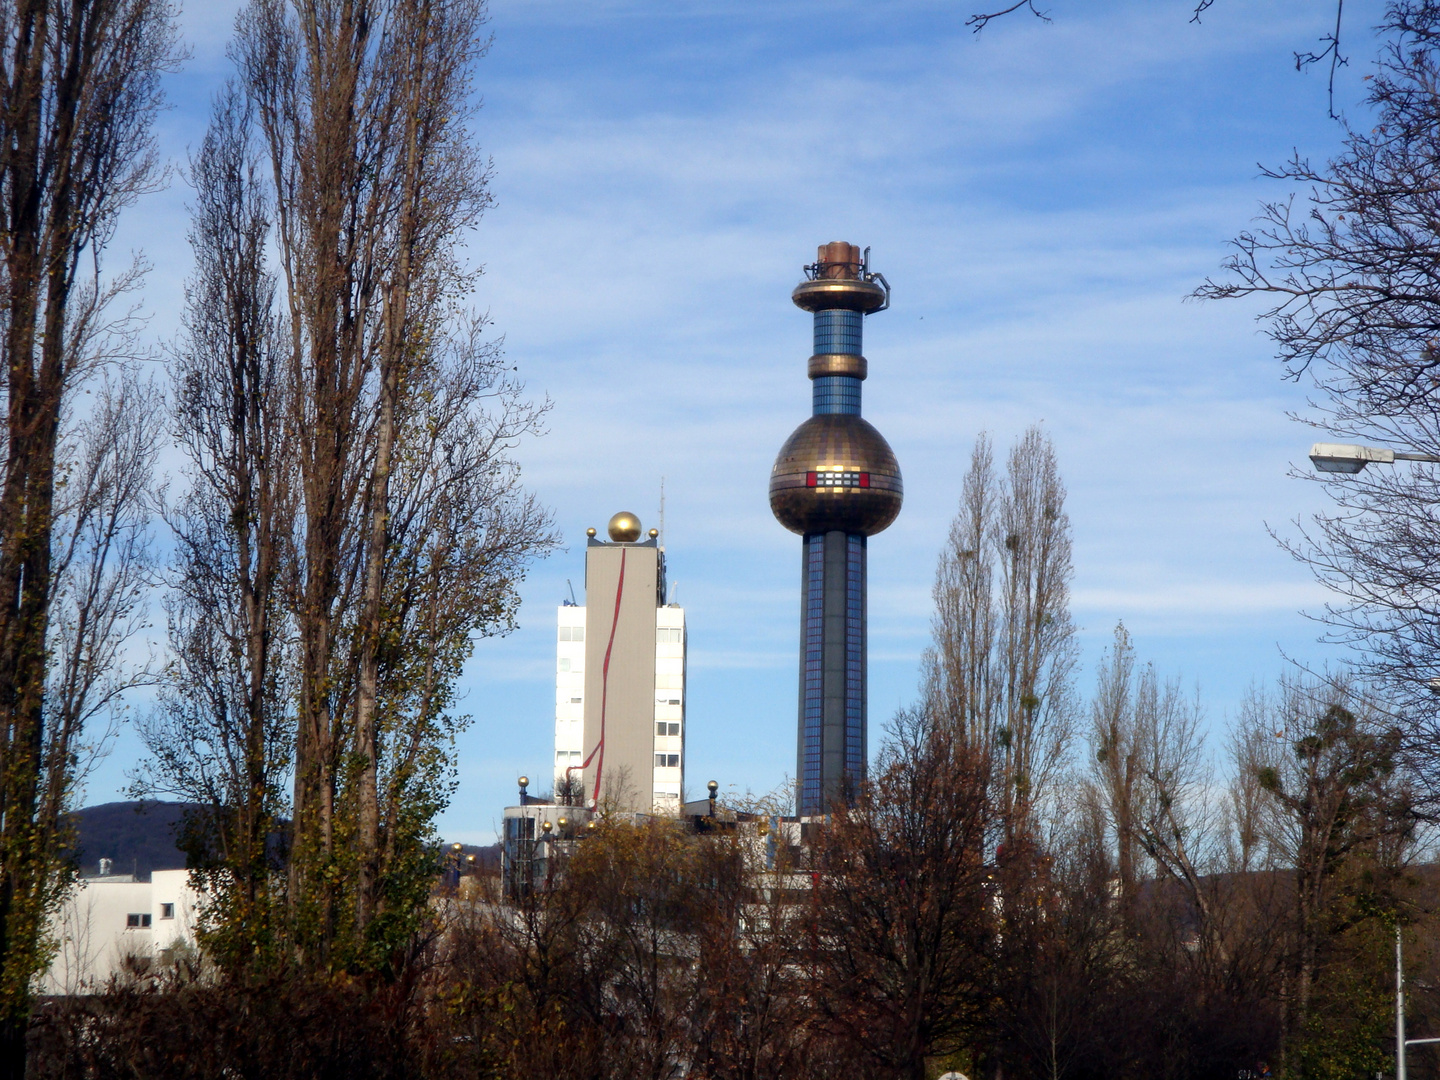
[
  {"x": 590, "y": 533},
  {"x": 624, "y": 528}
]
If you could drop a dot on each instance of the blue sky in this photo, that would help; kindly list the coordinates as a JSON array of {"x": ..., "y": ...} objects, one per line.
[{"x": 1041, "y": 197}]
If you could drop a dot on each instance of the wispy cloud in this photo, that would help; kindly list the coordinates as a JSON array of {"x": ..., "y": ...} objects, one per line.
[{"x": 1042, "y": 197}]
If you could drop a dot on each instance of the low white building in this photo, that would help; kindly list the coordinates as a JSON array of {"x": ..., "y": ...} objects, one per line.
[{"x": 108, "y": 918}]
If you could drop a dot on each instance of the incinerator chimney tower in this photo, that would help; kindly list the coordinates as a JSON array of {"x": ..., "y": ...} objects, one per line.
[{"x": 835, "y": 482}]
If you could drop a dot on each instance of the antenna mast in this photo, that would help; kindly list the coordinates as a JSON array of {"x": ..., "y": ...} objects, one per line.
[{"x": 662, "y": 512}]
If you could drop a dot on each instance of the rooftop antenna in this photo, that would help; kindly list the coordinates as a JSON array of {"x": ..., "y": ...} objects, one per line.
[
  {"x": 662, "y": 511},
  {"x": 572, "y": 592}
]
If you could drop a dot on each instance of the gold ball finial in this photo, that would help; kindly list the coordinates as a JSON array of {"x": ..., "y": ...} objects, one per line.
[
  {"x": 624, "y": 528},
  {"x": 653, "y": 533},
  {"x": 590, "y": 533}
]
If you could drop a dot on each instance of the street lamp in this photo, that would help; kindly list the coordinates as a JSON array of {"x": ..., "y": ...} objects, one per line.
[
  {"x": 1350, "y": 458},
  {"x": 455, "y": 850}
]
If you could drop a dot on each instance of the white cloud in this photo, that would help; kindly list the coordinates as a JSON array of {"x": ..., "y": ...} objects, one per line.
[{"x": 1041, "y": 197}]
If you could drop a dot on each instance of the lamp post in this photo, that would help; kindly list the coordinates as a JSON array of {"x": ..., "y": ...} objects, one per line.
[
  {"x": 1399, "y": 1007},
  {"x": 712, "y": 787},
  {"x": 1401, "y": 1042},
  {"x": 524, "y": 844},
  {"x": 1350, "y": 458}
]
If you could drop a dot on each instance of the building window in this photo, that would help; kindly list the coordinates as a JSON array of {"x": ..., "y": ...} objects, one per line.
[
  {"x": 135, "y": 921},
  {"x": 668, "y": 635},
  {"x": 667, "y": 761},
  {"x": 167, "y": 911},
  {"x": 575, "y": 701},
  {"x": 572, "y": 633},
  {"x": 667, "y": 727}
]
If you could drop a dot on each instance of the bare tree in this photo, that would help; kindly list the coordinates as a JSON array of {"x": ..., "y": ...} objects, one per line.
[
  {"x": 1177, "y": 824},
  {"x": 222, "y": 735},
  {"x": 1116, "y": 755},
  {"x": 1349, "y": 276},
  {"x": 905, "y": 905},
  {"x": 412, "y": 530},
  {"x": 649, "y": 951},
  {"x": 78, "y": 92},
  {"x": 103, "y": 568},
  {"x": 1328, "y": 764},
  {"x": 1245, "y": 798},
  {"x": 1329, "y": 51},
  {"x": 1000, "y": 667},
  {"x": 1151, "y": 772}
]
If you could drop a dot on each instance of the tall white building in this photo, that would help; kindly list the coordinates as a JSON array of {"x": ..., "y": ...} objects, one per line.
[{"x": 620, "y": 679}]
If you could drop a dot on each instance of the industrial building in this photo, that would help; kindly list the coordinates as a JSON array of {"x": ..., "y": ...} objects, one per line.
[
  {"x": 620, "y": 679},
  {"x": 620, "y": 657},
  {"x": 835, "y": 482}
]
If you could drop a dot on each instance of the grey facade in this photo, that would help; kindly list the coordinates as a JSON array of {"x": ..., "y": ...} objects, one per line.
[{"x": 625, "y": 759}]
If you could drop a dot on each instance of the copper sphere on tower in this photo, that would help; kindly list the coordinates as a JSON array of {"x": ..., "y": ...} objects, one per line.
[{"x": 836, "y": 472}]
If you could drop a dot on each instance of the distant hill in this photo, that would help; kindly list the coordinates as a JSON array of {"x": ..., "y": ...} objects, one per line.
[{"x": 139, "y": 837}]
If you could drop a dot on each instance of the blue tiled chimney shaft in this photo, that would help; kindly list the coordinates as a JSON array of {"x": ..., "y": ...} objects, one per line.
[
  {"x": 837, "y": 332},
  {"x": 833, "y": 714}
]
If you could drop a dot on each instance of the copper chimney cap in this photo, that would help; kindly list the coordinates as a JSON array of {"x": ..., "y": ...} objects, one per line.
[
  {"x": 837, "y": 261},
  {"x": 840, "y": 278}
]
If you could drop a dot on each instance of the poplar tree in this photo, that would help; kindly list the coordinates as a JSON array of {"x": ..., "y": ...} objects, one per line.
[
  {"x": 79, "y": 88},
  {"x": 367, "y": 416},
  {"x": 999, "y": 670}
]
